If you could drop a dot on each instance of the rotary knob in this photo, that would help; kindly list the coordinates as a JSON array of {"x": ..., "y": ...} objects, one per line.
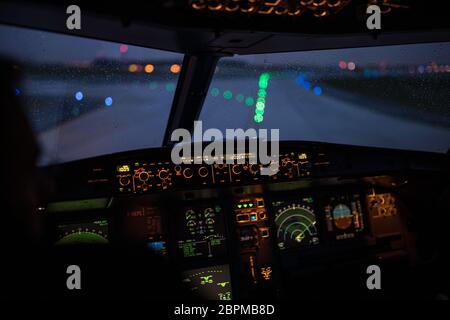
[
  {"x": 237, "y": 169},
  {"x": 203, "y": 172},
  {"x": 163, "y": 174},
  {"x": 124, "y": 181},
  {"x": 188, "y": 173},
  {"x": 143, "y": 176}
]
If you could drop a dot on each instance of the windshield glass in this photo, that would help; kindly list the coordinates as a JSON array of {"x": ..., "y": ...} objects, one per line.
[
  {"x": 88, "y": 97},
  {"x": 392, "y": 96}
]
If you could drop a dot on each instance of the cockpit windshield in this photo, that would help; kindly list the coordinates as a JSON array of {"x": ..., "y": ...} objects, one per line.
[
  {"x": 87, "y": 97},
  {"x": 391, "y": 96}
]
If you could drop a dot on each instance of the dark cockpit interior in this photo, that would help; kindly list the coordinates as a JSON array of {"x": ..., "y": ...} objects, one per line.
[{"x": 363, "y": 123}]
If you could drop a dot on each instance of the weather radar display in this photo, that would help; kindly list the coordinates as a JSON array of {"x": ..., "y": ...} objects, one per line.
[{"x": 295, "y": 223}]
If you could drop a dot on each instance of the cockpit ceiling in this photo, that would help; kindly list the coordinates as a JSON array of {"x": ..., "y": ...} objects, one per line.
[{"x": 179, "y": 27}]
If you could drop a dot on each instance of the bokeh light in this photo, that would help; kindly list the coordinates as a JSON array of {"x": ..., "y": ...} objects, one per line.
[
  {"x": 215, "y": 92},
  {"x": 317, "y": 91},
  {"x": 249, "y": 101},
  {"x": 175, "y": 68},
  {"x": 108, "y": 101},
  {"x": 228, "y": 94},
  {"x": 170, "y": 87},
  {"x": 342, "y": 65},
  {"x": 79, "y": 96},
  {"x": 351, "y": 66},
  {"x": 133, "y": 67},
  {"x": 123, "y": 48},
  {"x": 149, "y": 68}
]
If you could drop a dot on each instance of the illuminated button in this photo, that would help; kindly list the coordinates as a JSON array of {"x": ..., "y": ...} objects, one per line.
[{"x": 253, "y": 217}]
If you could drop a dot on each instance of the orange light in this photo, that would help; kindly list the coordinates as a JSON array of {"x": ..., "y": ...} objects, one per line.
[
  {"x": 133, "y": 68},
  {"x": 175, "y": 68},
  {"x": 149, "y": 68}
]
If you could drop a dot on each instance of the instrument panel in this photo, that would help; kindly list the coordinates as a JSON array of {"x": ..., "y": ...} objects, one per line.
[
  {"x": 232, "y": 232},
  {"x": 240, "y": 248}
]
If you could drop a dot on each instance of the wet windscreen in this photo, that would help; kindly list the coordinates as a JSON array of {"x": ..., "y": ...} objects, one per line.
[
  {"x": 390, "y": 96},
  {"x": 87, "y": 97}
]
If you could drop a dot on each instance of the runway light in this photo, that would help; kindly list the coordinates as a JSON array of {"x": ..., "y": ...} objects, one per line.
[
  {"x": 215, "y": 92},
  {"x": 317, "y": 91},
  {"x": 79, "y": 96},
  {"x": 351, "y": 66},
  {"x": 249, "y": 101},
  {"x": 133, "y": 67},
  {"x": 153, "y": 85},
  {"x": 300, "y": 80},
  {"x": 258, "y": 118},
  {"x": 264, "y": 80},
  {"x": 228, "y": 94},
  {"x": 307, "y": 85},
  {"x": 342, "y": 64},
  {"x": 239, "y": 98},
  {"x": 123, "y": 48},
  {"x": 108, "y": 101},
  {"x": 149, "y": 68},
  {"x": 175, "y": 68}
]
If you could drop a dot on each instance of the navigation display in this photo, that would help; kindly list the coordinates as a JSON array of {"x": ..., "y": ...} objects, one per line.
[
  {"x": 295, "y": 223},
  {"x": 201, "y": 232},
  {"x": 91, "y": 232},
  {"x": 211, "y": 283}
]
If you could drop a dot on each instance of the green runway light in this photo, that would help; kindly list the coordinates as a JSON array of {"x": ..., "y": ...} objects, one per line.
[
  {"x": 228, "y": 94},
  {"x": 261, "y": 100},
  {"x": 249, "y": 101},
  {"x": 215, "y": 92},
  {"x": 264, "y": 80},
  {"x": 258, "y": 118},
  {"x": 262, "y": 93},
  {"x": 239, "y": 98}
]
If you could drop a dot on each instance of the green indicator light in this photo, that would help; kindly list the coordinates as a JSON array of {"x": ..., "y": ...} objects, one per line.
[
  {"x": 245, "y": 205},
  {"x": 258, "y": 118},
  {"x": 239, "y": 206},
  {"x": 250, "y": 205},
  {"x": 259, "y": 111},
  {"x": 249, "y": 101},
  {"x": 214, "y": 92},
  {"x": 228, "y": 94},
  {"x": 240, "y": 98}
]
